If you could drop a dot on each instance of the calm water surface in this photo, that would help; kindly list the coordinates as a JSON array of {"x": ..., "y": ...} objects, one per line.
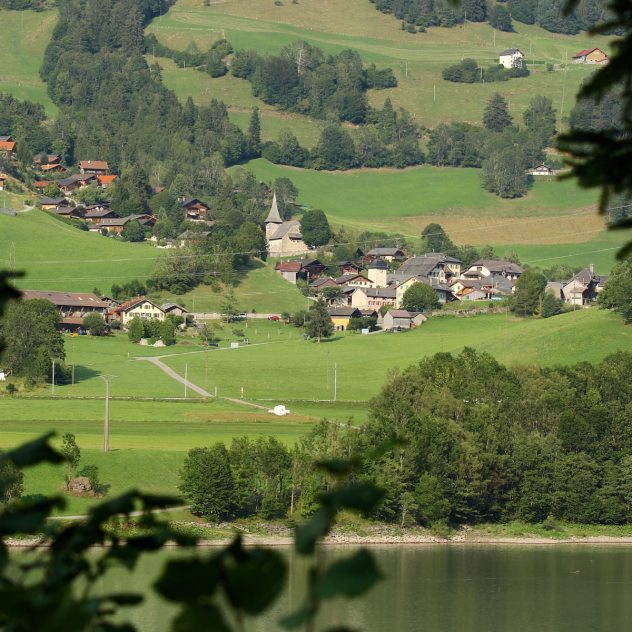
[{"x": 471, "y": 588}]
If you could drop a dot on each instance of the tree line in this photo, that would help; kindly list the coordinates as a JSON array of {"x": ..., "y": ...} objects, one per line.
[
  {"x": 468, "y": 71},
  {"x": 481, "y": 443},
  {"x": 549, "y": 14}
]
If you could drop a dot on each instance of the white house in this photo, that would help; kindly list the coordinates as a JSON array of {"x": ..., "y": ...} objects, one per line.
[
  {"x": 541, "y": 170},
  {"x": 511, "y": 58}
]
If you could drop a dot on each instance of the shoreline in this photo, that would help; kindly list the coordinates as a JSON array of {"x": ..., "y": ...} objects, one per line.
[{"x": 406, "y": 540}]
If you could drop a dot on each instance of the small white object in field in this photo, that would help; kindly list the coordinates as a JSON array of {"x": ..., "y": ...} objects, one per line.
[{"x": 279, "y": 410}]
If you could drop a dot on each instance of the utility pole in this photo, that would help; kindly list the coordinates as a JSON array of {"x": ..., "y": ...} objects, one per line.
[
  {"x": 307, "y": 294},
  {"x": 73, "y": 366},
  {"x": 185, "y": 381},
  {"x": 506, "y": 312},
  {"x": 335, "y": 381},
  {"x": 434, "y": 98},
  {"x": 494, "y": 38},
  {"x": 327, "y": 369},
  {"x": 441, "y": 343},
  {"x": 206, "y": 355},
  {"x": 106, "y": 427},
  {"x": 53, "y": 378},
  {"x": 407, "y": 69}
]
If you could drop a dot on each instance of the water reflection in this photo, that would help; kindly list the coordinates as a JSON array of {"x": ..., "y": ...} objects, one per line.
[{"x": 446, "y": 588}]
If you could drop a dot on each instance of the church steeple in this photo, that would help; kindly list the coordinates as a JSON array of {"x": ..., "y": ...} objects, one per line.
[{"x": 274, "y": 217}]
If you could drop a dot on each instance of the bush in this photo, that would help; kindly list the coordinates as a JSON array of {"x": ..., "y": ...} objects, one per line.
[
  {"x": 94, "y": 323},
  {"x": 550, "y": 66},
  {"x": 11, "y": 388},
  {"x": 169, "y": 341},
  {"x": 411, "y": 28},
  {"x": 115, "y": 324}
]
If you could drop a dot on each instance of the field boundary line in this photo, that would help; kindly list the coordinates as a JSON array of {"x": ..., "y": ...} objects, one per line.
[{"x": 132, "y": 513}]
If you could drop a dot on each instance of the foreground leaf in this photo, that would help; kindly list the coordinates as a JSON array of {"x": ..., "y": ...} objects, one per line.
[{"x": 351, "y": 577}]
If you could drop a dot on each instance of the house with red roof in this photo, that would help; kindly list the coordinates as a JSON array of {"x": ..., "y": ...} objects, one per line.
[
  {"x": 9, "y": 147},
  {"x": 97, "y": 167},
  {"x": 139, "y": 306},
  {"x": 591, "y": 56}
]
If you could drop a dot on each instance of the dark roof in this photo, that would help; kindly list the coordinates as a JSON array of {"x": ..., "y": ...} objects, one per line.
[
  {"x": 385, "y": 252},
  {"x": 343, "y": 311},
  {"x": 399, "y": 313},
  {"x": 498, "y": 266},
  {"x": 511, "y": 51},
  {"x": 194, "y": 234},
  {"x": 318, "y": 282},
  {"x": 100, "y": 213},
  {"x": 70, "y": 299},
  {"x": 380, "y": 292},
  {"x": 424, "y": 264},
  {"x": 378, "y": 264},
  {"x": 54, "y": 201},
  {"x": 65, "y": 210},
  {"x": 349, "y": 277},
  {"x": 165, "y": 307}
]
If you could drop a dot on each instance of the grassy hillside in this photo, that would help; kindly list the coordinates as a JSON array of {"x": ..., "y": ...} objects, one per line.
[
  {"x": 56, "y": 256},
  {"x": 416, "y": 59},
  {"x": 25, "y": 35}
]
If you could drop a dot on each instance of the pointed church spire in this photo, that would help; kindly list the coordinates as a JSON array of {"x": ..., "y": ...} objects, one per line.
[{"x": 274, "y": 217}]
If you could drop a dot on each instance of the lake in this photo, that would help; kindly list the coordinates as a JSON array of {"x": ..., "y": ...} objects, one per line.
[{"x": 465, "y": 588}]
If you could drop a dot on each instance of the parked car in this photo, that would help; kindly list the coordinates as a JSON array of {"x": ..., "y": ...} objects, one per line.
[
  {"x": 273, "y": 318},
  {"x": 242, "y": 316},
  {"x": 212, "y": 344}
]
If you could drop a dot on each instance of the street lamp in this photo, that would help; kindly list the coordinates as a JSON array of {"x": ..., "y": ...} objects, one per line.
[{"x": 106, "y": 429}]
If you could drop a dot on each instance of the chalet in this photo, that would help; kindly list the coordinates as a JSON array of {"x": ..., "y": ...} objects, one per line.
[
  {"x": 284, "y": 238},
  {"x": 194, "y": 236},
  {"x": 309, "y": 269},
  {"x": 473, "y": 291},
  {"x": 72, "y": 306},
  {"x": 322, "y": 282},
  {"x": 53, "y": 169},
  {"x": 3, "y": 178},
  {"x": 433, "y": 265},
  {"x": 144, "y": 220},
  {"x": 541, "y": 170},
  {"x": 487, "y": 267},
  {"x": 85, "y": 180},
  {"x": 105, "y": 181},
  {"x": 46, "y": 159},
  {"x": 348, "y": 267},
  {"x": 591, "y": 56},
  {"x": 511, "y": 58},
  {"x": 378, "y": 272},
  {"x": 194, "y": 209},
  {"x": 70, "y": 212},
  {"x": 40, "y": 185},
  {"x": 68, "y": 185},
  {"x": 111, "y": 302},
  {"x": 174, "y": 308},
  {"x": 584, "y": 287},
  {"x": 354, "y": 280},
  {"x": 8, "y": 147},
  {"x": 52, "y": 203},
  {"x": 444, "y": 292},
  {"x": 373, "y": 298},
  {"x": 140, "y": 306},
  {"x": 389, "y": 254},
  {"x": 341, "y": 316},
  {"x": 96, "y": 167},
  {"x": 97, "y": 215},
  {"x": 403, "y": 318},
  {"x": 116, "y": 224}
]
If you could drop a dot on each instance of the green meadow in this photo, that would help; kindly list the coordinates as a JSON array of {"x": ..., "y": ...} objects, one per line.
[
  {"x": 149, "y": 437},
  {"x": 25, "y": 35}
]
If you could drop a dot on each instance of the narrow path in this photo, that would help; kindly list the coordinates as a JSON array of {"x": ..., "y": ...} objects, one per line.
[
  {"x": 175, "y": 376},
  {"x": 133, "y": 513}
]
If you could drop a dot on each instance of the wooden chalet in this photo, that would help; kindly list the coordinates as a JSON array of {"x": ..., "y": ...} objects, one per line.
[
  {"x": 70, "y": 212},
  {"x": 98, "y": 215},
  {"x": 194, "y": 209},
  {"x": 9, "y": 147},
  {"x": 348, "y": 267},
  {"x": 95, "y": 167},
  {"x": 51, "y": 204}
]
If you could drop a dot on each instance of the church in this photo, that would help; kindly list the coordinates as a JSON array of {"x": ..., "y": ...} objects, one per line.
[{"x": 284, "y": 238}]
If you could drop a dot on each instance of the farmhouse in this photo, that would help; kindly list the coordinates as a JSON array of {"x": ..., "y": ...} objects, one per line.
[
  {"x": 541, "y": 170},
  {"x": 309, "y": 269},
  {"x": 341, "y": 316},
  {"x": 591, "y": 56},
  {"x": 389, "y": 254},
  {"x": 141, "y": 307},
  {"x": 322, "y": 282},
  {"x": 511, "y": 58},
  {"x": 3, "y": 178},
  {"x": 194, "y": 209},
  {"x": 8, "y": 147},
  {"x": 284, "y": 238},
  {"x": 348, "y": 267},
  {"x": 96, "y": 167},
  {"x": 174, "y": 308},
  {"x": 487, "y": 267},
  {"x": 69, "y": 212},
  {"x": 52, "y": 203},
  {"x": 72, "y": 306},
  {"x": 434, "y": 265},
  {"x": 97, "y": 215},
  {"x": 403, "y": 318},
  {"x": 584, "y": 287}
]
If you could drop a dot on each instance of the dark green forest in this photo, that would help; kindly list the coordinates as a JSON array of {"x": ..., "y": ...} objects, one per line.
[
  {"x": 482, "y": 443},
  {"x": 545, "y": 13}
]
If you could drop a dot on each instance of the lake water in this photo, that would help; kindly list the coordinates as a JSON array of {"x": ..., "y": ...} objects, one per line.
[{"x": 473, "y": 588}]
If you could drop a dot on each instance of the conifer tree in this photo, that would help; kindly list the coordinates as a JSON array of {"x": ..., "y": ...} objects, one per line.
[
  {"x": 496, "y": 116},
  {"x": 135, "y": 331},
  {"x": 254, "y": 131}
]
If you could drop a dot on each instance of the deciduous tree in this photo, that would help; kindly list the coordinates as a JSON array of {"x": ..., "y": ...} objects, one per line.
[
  {"x": 420, "y": 297},
  {"x": 319, "y": 323}
]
